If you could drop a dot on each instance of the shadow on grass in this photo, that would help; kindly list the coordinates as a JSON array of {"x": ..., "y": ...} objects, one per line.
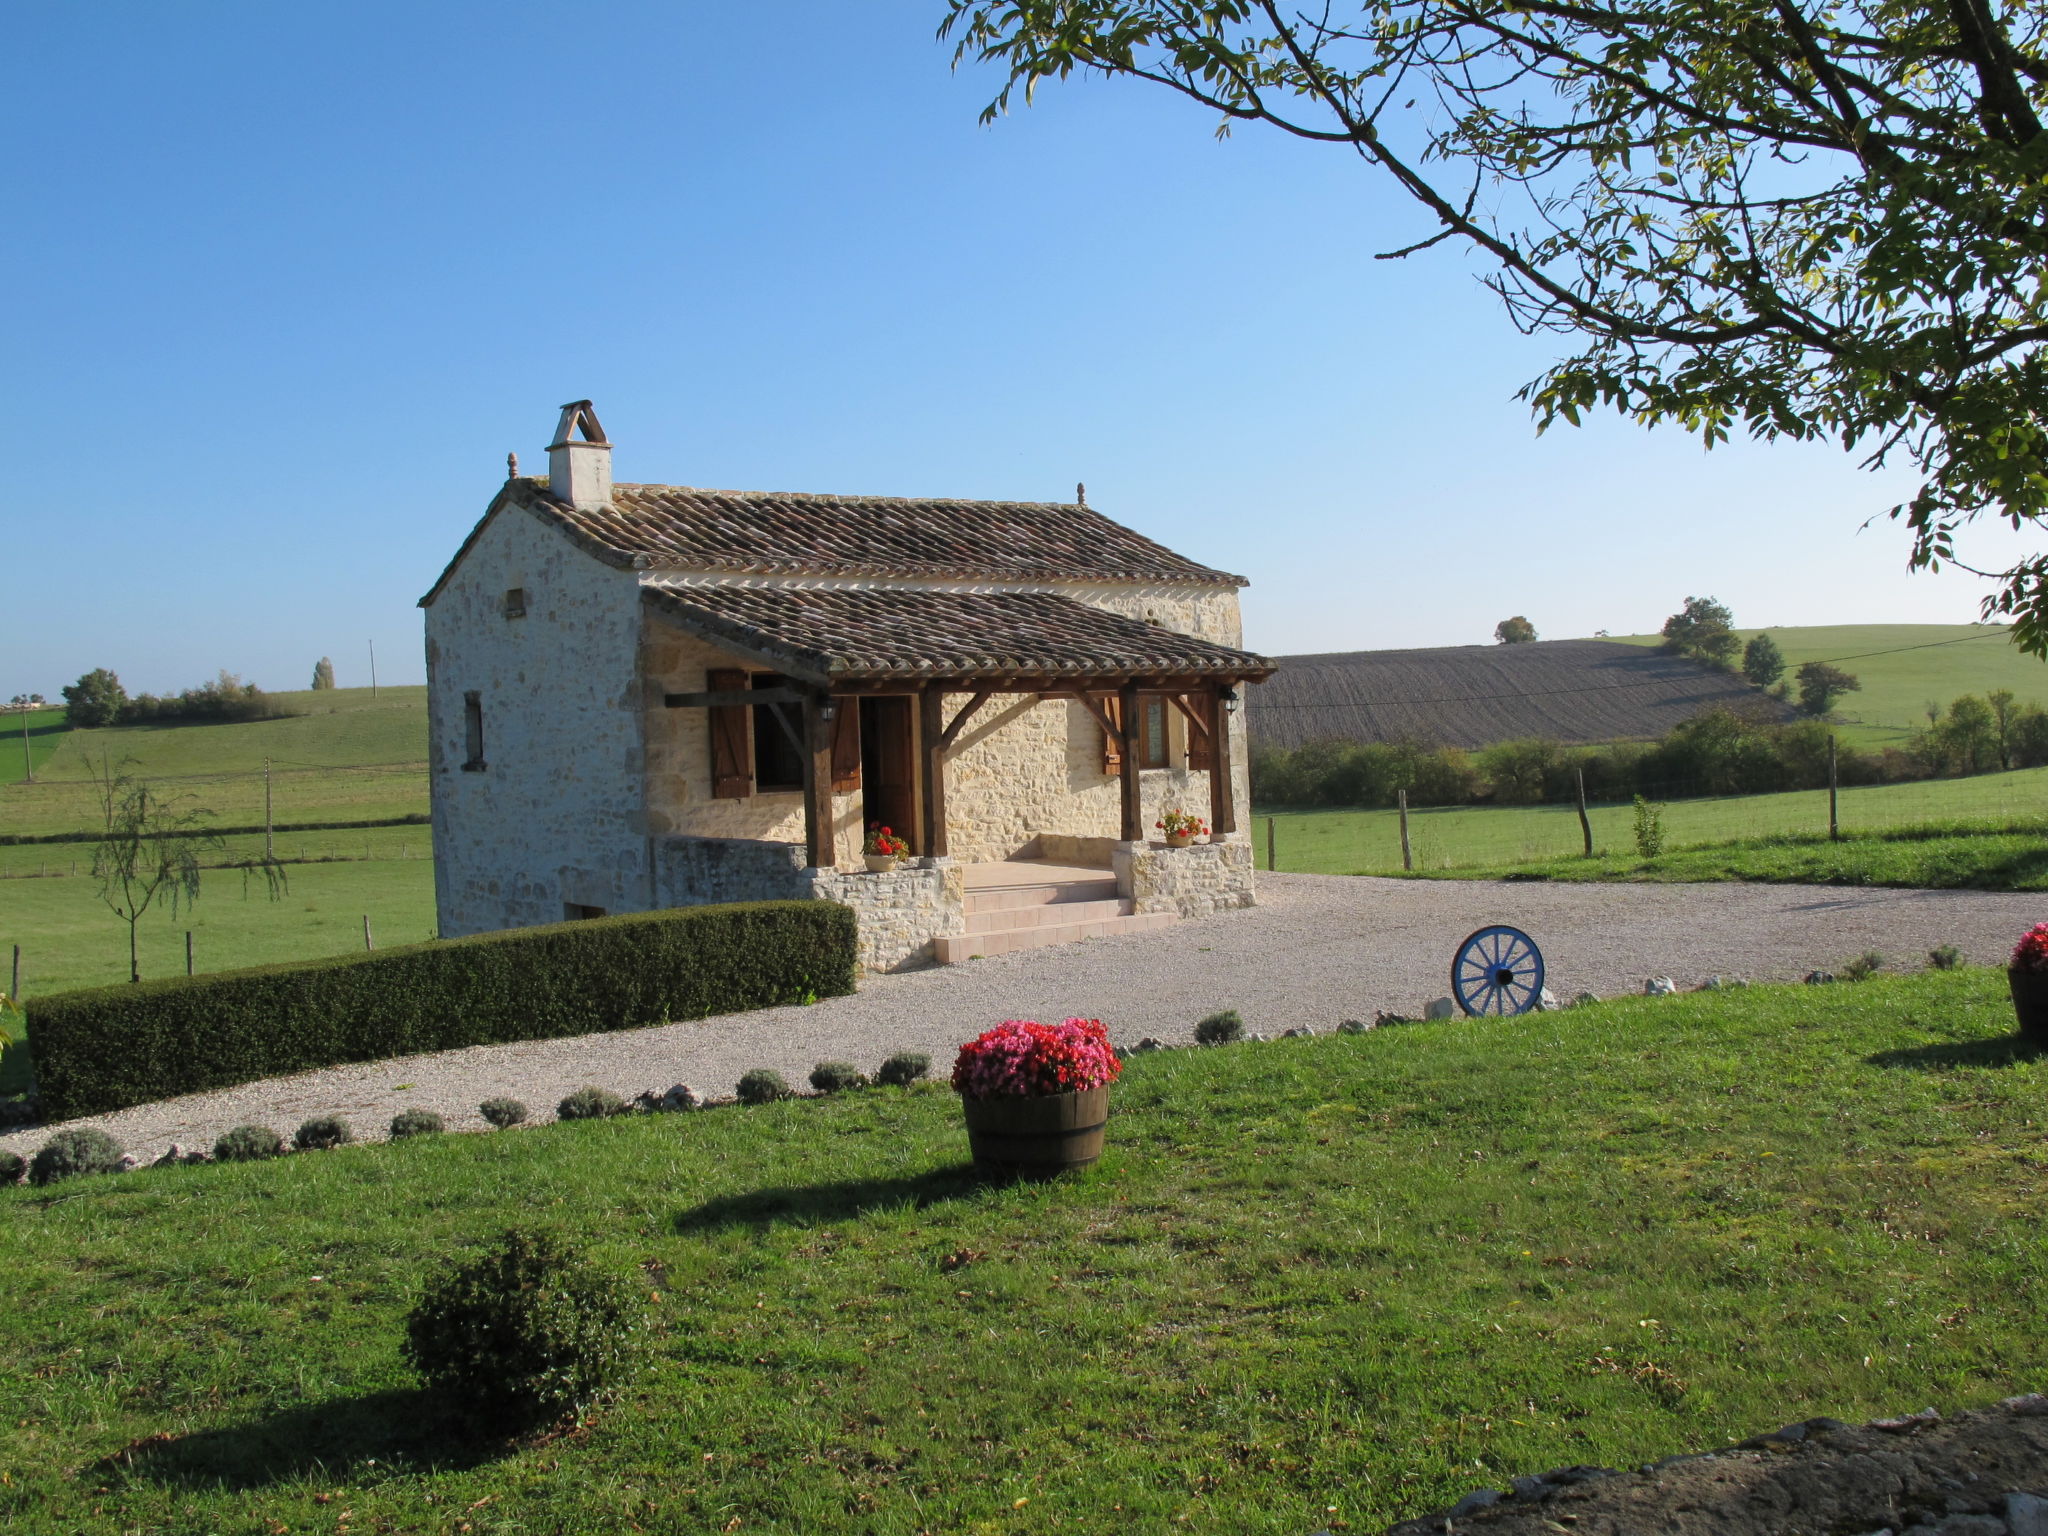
[
  {"x": 380, "y": 1430},
  {"x": 808, "y": 1203},
  {"x": 2000, "y": 1051}
]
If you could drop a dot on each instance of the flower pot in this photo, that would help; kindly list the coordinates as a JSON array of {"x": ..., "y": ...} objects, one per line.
[
  {"x": 882, "y": 863},
  {"x": 2030, "y": 1003},
  {"x": 1179, "y": 839},
  {"x": 1041, "y": 1136}
]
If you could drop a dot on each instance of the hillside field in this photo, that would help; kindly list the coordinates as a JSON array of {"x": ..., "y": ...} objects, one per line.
[
  {"x": 1313, "y": 1284},
  {"x": 348, "y": 757},
  {"x": 1904, "y": 667}
]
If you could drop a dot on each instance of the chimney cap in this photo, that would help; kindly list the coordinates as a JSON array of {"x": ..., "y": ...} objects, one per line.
[{"x": 578, "y": 415}]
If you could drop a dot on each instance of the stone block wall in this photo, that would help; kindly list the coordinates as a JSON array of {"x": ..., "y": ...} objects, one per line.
[
  {"x": 698, "y": 871},
  {"x": 900, "y": 913},
  {"x": 1192, "y": 881}
]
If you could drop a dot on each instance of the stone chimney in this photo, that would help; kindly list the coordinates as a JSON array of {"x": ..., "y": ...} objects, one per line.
[{"x": 580, "y": 467}]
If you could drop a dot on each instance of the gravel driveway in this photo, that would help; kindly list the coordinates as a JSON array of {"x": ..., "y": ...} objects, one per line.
[{"x": 1318, "y": 949}]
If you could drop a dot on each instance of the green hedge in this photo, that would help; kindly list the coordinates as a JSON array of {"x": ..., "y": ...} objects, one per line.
[{"x": 111, "y": 1047}]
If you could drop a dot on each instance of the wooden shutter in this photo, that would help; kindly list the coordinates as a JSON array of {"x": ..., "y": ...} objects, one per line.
[
  {"x": 845, "y": 746},
  {"x": 1112, "y": 754},
  {"x": 1201, "y": 731},
  {"x": 732, "y": 738}
]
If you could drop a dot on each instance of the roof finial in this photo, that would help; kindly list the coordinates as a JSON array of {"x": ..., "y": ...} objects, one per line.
[
  {"x": 512, "y": 465},
  {"x": 1080, "y": 494}
]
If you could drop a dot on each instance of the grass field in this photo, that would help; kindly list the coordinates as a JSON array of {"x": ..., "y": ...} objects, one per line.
[
  {"x": 28, "y": 739},
  {"x": 1452, "y": 837},
  {"x": 1918, "y": 663},
  {"x": 69, "y": 939},
  {"x": 1317, "y": 1283},
  {"x": 349, "y": 757}
]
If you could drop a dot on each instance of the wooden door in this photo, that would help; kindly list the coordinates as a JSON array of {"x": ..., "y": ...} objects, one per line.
[{"x": 888, "y": 766}]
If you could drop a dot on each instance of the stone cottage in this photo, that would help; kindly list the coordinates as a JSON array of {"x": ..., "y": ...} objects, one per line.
[{"x": 646, "y": 696}]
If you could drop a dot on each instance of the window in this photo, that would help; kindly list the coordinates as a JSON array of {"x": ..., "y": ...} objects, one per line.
[
  {"x": 778, "y": 761},
  {"x": 515, "y": 602},
  {"x": 1152, "y": 740},
  {"x": 473, "y": 731},
  {"x": 575, "y": 911}
]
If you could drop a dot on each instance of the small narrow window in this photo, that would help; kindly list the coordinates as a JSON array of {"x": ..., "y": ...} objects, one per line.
[
  {"x": 1153, "y": 736},
  {"x": 576, "y": 911},
  {"x": 473, "y": 731},
  {"x": 515, "y": 602},
  {"x": 778, "y": 761}
]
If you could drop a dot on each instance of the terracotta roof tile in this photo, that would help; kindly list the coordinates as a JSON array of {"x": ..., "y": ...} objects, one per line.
[
  {"x": 869, "y": 634},
  {"x": 775, "y": 533}
]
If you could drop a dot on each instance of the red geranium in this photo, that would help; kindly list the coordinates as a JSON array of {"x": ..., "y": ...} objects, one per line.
[
  {"x": 2031, "y": 953},
  {"x": 1023, "y": 1059}
]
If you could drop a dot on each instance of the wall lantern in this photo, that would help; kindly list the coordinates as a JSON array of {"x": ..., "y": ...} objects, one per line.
[{"x": 1229, "y": 697}]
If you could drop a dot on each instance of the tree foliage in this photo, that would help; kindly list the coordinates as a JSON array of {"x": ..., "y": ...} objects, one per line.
[
  {"x": 1798, "y": 220},
  {"x": 96, "y": 699},
  {"x": 149, "y": 847},
  {"x": 323, "y": 674},
  {"x": 1820, "y": 685},
  {"x": 1762, "y": 662},
  {"x": 1703, "y": 630},
  {"x": 1515, "y": 631}
]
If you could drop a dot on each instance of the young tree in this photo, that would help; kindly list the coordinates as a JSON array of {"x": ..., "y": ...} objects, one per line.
[
  {"x": 96, "y": 698},
  {"x": 1762, "y": 662},
  {"x": 1820, "y": 685},
  {"x": 1798, "y": 219},
  {"x": 2004, "y": 715},
  {"x": 1515, "y": 631},
  {"x": 323, "y": 673},
  {"x": 149, "y": 847}
]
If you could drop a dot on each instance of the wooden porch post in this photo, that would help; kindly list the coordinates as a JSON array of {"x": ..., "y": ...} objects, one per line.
[
  {"x": 1133, "y": 800},
  {"x": 931, "y": 741},
  {"x": 819, "y": 844},
  {"x": 1222, "y": 808}
]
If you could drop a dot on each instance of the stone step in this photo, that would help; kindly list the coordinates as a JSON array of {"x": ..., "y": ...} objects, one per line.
[
  {"x": 1050, "y": 914},
  {"x": 956, "y": 947},
  {"x": 1010, "y": 898}
]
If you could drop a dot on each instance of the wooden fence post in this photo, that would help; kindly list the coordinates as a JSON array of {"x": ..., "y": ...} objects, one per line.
[
  {"x": 15, "y": 991},
  {"x": 1271, "y": 862},
  {"x": 188, "y": 951},
  {"x": 1407, "y": 856},
  {"x": 367, "y": 943},
  {"x": 1834, "y": 821},
  {"x": 1585, "y": 826}
]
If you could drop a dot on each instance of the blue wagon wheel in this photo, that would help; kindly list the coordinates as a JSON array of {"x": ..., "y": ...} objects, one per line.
[{"x": 1497, "y": 970}]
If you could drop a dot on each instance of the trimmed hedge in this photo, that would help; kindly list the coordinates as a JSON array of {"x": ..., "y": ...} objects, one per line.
[{"x": 111, "y": 1047}]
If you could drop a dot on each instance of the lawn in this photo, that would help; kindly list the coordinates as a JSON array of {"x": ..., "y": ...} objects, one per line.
[
  {"x": 348, "y": 757},
  {"x": 1914, "y": 666},
  {"x": 69, "y": 939},
  {"x": 1318, "y": 1282},
  {"x": 29, "y": 738},
  {"x": 1478, "y": 837}
]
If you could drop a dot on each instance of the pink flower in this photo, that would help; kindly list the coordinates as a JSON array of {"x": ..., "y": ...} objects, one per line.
[{"x": 1021, "y": 1058}]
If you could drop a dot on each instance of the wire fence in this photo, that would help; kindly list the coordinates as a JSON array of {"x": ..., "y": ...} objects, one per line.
[{"x": 1367, "y": 840}]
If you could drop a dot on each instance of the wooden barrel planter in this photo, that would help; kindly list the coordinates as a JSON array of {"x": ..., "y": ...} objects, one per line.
[
  {"x": 1037, "y": 1137},
  {"x": 2030, "y": 1004}
]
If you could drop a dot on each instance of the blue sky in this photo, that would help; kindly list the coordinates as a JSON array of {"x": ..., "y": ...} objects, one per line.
[{"x": 291, "y": 280}]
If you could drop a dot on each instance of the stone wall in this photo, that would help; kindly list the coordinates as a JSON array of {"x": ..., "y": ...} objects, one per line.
[
  {"x": 696, "y": 871},
  {"x": 1192, "y": 881},
  {"x": 900, "y": 913},
  {"x": 555, "y": 815}
]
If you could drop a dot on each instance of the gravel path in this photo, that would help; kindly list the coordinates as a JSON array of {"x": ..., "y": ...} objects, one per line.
[{"x": 1318, "y": 949}]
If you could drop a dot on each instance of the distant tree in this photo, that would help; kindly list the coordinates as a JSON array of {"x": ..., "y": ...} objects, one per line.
[
  {"x": 1820, "y": 685},
  {"x": 96, "y": 698},
  {"x": 1762, "y": 662},
  {"x": 1515, "y": 631},
  {"x": 323, "y": 673},
  {"x": 2004, "y": 716},
  {"x": 1704, "y": 630}
]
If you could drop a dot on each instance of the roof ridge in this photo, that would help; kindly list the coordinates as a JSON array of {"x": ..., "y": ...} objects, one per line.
[{"x": 843, "y": 496}]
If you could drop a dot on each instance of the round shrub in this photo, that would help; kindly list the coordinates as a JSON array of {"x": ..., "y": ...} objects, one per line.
[
  {"x": 415, "y": 1122},
  {"x": 12, "y": 1166},
  {"x": 1945, "y": 957},
  {"x": 590, "y": 1104},
  {"x": 1224, "y": 1028},
  {"x": 68, "y": 1154},
  {"x": 503, "y": 1112},
  {"x": 248, "y": 1144},
  {"x": 527, "y": 1333},
  {"x": 763, "y": 1085},
  {"x": 904, "y": 1068},
  {"x": 323, "y": 1133},
  {"x": 837, "y": 1077}
]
